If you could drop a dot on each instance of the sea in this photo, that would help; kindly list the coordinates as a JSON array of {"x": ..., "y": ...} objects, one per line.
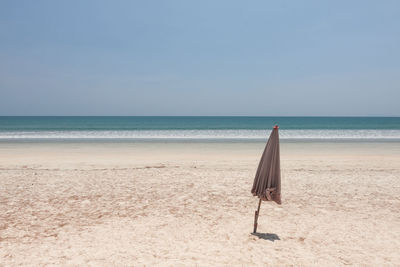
[{"x": 207, "y": 128}]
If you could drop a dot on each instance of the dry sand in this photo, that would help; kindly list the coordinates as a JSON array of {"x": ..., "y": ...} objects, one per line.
[{"x": 190, "y": 204}]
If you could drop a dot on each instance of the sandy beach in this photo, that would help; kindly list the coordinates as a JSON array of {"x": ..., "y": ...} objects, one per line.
[{"x": 133, "y": 204}]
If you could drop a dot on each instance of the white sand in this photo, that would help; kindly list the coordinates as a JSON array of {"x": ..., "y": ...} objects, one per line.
[{"x": 188, "y": 204}]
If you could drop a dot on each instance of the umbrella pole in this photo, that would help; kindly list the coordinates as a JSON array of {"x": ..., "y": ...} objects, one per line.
[{"x": 256, "y": 216}]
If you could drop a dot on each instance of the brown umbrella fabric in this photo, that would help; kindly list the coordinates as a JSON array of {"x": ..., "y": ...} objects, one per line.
[{"x": 267, "y": 183}]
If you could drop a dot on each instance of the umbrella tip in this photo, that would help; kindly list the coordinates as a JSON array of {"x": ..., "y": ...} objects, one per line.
[{"x": 276, "y": 127}]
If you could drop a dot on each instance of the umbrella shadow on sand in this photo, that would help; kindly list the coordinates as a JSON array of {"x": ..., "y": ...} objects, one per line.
[{"x": 267, "y": 236}]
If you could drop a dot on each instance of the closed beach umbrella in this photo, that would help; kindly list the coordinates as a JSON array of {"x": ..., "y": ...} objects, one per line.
[{"x": 267, "y": 182}]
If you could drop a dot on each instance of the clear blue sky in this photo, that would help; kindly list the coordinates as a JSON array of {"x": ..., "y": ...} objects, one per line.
[{"x": 300, "y": 58}]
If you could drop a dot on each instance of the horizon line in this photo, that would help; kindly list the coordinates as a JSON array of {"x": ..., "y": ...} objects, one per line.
[{"x": 194, "y": 116}]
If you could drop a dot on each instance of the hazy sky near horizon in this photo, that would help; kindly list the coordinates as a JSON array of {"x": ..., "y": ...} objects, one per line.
[{"x": 276, "y": 58}]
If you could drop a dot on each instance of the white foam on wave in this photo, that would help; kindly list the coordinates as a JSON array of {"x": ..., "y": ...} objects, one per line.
[{"x": 206, "y": 134}]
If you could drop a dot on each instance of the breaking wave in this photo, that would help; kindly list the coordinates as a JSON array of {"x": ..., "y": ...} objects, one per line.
[{"x": 203, "y": 135}]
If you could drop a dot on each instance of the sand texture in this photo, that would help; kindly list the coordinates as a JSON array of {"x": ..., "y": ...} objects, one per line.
[{"x": 190, "y": 204}]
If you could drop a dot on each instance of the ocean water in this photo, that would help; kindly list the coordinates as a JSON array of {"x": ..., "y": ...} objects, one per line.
[{"x": 35, "y": 128}]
